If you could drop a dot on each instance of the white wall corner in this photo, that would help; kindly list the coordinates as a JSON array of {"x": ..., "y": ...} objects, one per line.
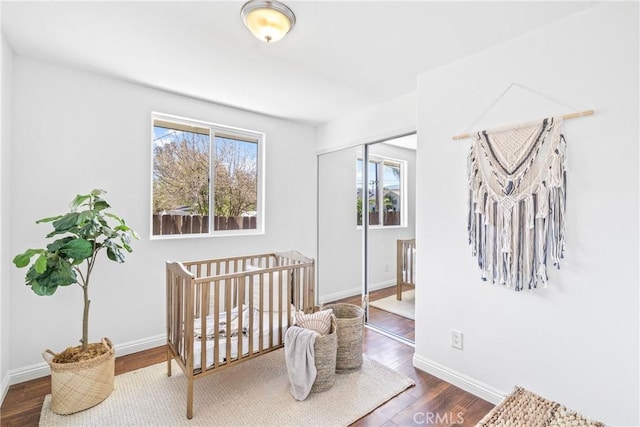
[
  {"x": 4, "y": 387},
  {"x": 471, "y": 385},
  {"x": 39, "y": 370},
  {"x": 334, "y": 296},
  {"x": 384, "y": 120}
]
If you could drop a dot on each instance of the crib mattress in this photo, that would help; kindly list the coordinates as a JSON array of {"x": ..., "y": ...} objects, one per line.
[{"x": 222, "y": 348}]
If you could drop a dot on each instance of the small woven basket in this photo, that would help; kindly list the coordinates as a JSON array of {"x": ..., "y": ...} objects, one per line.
[
  {"x": 81, "y": 385},
  {"x": 325, "y": 360},
  {"x": 350, "y": 322}
]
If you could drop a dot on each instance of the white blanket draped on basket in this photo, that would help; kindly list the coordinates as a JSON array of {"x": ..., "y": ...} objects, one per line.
[
  {"x": 517, "y": 198},
  {"x": 300, "y": 360}
]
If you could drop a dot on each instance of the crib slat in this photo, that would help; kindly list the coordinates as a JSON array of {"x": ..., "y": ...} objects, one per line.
[
  {"x": 289, "y": 313},
  {"x": 198, "y": 273},
  {"x": 251, "y": 319},
  {"x": 280, "y": 305},
  {"x": 189, "y": 312},
  {"x": 179, "y": 320},
  {"x": 405, "y": 265},
  {"x": 169, "y": 301},
  {"x": 261, "y": 318},
  {"x": 240, "y": 308},
  {"x": 310, "y": 285},
  {"x": 227, "y": 308},
  {"x": 204, "y": 298},
  {"x": 216, "y": 321}
]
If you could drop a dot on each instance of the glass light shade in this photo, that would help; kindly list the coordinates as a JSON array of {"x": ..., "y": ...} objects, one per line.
[{"x": 268, "y": 21}]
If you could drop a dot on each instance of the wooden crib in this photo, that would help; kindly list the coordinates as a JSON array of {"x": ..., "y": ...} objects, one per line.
[
  {"x": 405, "y": 265},
  {"x": 221, "y": 312}
]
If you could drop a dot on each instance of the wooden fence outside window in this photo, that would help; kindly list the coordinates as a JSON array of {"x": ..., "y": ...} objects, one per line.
[{"x": 199, "y": 224}]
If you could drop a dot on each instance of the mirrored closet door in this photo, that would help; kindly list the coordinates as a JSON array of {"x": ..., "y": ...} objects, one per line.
[
  {"x": 366, "y": 231},
  {"x": 340, "y": 240},
  {"x": 390, "y": 236}
]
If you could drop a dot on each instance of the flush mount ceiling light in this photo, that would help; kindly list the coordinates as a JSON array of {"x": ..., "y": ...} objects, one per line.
[{"x": 269, "y": 21}]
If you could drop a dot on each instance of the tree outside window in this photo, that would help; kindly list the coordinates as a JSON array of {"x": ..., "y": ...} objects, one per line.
[
  {"x": 384, "y": 192},
  {"x": 199, "y": 170}
]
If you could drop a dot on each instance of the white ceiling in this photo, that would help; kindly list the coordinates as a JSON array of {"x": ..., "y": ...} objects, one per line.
[{"x": 340, "y": 57}]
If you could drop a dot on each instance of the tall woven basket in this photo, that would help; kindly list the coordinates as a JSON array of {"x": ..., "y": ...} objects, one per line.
[
  {"x": 325, "y": 360},
  {"x": 81, "y": 385},
  {"x": 350, "y": 322}
]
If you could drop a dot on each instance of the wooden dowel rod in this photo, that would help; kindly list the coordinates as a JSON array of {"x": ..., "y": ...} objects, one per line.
[{"x": 575, "y": 115}]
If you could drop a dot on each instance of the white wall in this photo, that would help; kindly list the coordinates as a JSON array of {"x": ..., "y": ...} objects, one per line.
[
  {"x": 74, "y": 131},
  {"x": 6, "y": 58},
  {"x": 380, "y": 121},
  {"x": 576, "y": 342}
]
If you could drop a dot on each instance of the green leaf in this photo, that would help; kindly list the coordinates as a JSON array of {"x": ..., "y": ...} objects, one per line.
[
  {"x": 78, "y": 201},
  {"x": 77, "y": 249},
  {"x": 56, "y": 245},
  {"x": 85, "y": 216},
  {"x": 114, "y": 216},
  {"x": 91, "y": 229},
  {"x": 58, "y": 272},
  {"x": 23, "y": 259},
  {"x": 126, "y": 240},
  {"x": 100, "y": 205},
  {"x": 111, "y": 254},
  {"x": 56, "y": 232},
  {"x": 67, "y": 222},
  {"x": 48, "y": 219},
  {"x": 123, "y": 227},
  {"x": 41, "y": 263},
  {"x": 114, "y": 252},
  {"x": 42, "y": 290}
]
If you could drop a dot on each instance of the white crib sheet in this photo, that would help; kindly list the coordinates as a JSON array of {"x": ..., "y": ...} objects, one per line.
[{"x": 222, "y": 350}]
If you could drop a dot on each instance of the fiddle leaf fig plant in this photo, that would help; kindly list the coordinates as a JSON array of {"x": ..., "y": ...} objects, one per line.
[{"x": 83, "y": 233}]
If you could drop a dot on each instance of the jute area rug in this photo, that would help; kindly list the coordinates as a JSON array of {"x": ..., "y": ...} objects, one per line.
[
  {"x": 524, "y": 408},
  {"x": 253, "y": 393},
  {"x": 405, "y": 307}
]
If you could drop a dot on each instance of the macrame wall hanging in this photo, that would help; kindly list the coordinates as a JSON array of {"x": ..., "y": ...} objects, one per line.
[{"x": 517, "y": 200}]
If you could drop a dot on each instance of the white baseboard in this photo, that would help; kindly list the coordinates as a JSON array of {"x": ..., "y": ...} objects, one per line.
[
  {"x": 354, "y": 291},
  {"x": 27, "y": 373},
  {"x": 140, "y": 345},
  {"x": 38, "y": 370},
  {"x": 339, "y": 295},
  {"x": 472, "y": 385},
  {"x": 4, "y": 387}
]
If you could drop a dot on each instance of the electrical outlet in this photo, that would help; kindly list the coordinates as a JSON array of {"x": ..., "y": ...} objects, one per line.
[
  {"x": 456, "y": 339},
  {"x": 386, "y": 268}
]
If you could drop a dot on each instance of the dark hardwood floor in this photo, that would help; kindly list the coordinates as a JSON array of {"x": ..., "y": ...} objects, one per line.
[
  {"x": 431, "y": 402},
  {"x": 393, "y": 323}
]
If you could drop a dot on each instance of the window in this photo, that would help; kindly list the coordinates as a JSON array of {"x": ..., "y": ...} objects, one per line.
[
  {"x": 385, "y": 192},
  {"x": 206, "y": 178}
]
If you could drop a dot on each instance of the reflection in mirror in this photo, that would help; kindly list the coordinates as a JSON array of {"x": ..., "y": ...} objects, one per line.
[{"x": 390, "y": 239}]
